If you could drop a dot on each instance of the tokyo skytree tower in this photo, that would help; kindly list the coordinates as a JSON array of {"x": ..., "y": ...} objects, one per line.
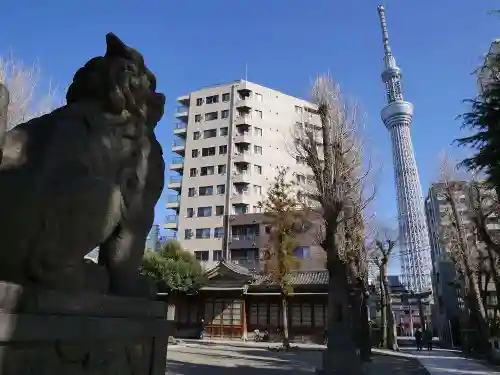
[{"x": 413, "y": 236}]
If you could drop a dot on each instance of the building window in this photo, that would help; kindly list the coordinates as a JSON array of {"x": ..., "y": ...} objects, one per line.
[
  {"x": 190, "y": 212},
  {"x": 191, "y": 192},
  {"x": 206, "y": 190},
  {"x": 221, "y": 169},
  {"x": 197, "y": 118},
  {"x": 302, "y": 252},
  {"x": 188, "y": 234},
  {"x": 257, "y": 169},
  {"x": 224, "y": 113},
  {"x": 240, "y": 209},
  {"x": 301, "y": 314},
  {"x": 217, "y": 255},
  {"x": 219, "y": 232},
  {"x": 208, "y": 151},
  {"x": 226, "y": 97},
  {"x": 223, "y": 150},
  {"x": 207, "y": 171},
  {"x": 204, "y": 211},
  {"x": 210, "y": 133},
  {"x": 195, "y": 153},
  {"x": 258, "y": 132},
  {"x": 301, "y": 179},
  {"x": 257, "y": 209},
  {"x": 196, "y": 135},
  {"x": 219, "y": 210},
  {"x": 298, "y": 110},
  {"x": 193, "y": 172},
  {"x": 257, "y": 189},
  {"x": 212, "y": 99},
  {"x": 202, "y": 233},
  {"x": 210, "y": 116},
  {"x": 257, "y": 150},
  {"x": 221, "y": 189},
  {"x": 199, "y": 101},
  {"x": 258, "y": 97},
  {"x": 258, "y": 113},
  {"x": 202, "y": 255},
  {"x": 223, "y": 131}
]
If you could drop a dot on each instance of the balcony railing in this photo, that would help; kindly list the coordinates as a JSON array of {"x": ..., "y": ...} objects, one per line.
[
  {"x": 173, "y": 199},
  {"x": 175, "y": 179},
  {"x": 171, "y": 219},
  {"x": 177, "y": 143},
  {"x": 181, "y": 109},
  {"x": 245, "y": 237},
  {"x": 178, "y": 161},
  {"x": 180, "y": 125},
  {"x": 241, "y": 172}
]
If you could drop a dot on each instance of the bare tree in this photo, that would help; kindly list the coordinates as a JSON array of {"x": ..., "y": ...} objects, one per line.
[
  {"x": 27, "y": 98},
  {"x": 463, "y": 252},
  {"x": 380, "y": 254},
  {"x": 334, "y": 155}
]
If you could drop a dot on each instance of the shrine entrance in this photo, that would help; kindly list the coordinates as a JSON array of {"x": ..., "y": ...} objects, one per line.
[{"x": 224, "y": 318}]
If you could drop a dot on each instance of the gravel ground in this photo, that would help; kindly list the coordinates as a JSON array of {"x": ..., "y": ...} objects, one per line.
[{"x": 191, "y": 359}]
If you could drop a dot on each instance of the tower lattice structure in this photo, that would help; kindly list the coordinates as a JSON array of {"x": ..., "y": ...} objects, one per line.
[{"x": 413, "y": 235}]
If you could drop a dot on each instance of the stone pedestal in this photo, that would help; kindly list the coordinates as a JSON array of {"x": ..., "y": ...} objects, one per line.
[{"x": 49, "y": 333}]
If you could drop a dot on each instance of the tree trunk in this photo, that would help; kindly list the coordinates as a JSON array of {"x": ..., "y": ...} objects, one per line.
[
  {"x": 383, "y": 313},
  {"x": 366, "y": 343},
  {"x": 360, "y": 322},
  {"x": 284, "y": 312},
  {"x": 340, "y": 357}
]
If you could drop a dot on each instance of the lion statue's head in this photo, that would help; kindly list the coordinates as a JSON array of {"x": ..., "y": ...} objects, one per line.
[{"x": 120, "y": 82}]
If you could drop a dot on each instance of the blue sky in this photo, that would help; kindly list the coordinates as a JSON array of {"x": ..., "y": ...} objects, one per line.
[{"x": 285, "y": 44}]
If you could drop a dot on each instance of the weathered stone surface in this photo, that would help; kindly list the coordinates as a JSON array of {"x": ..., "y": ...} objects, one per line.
[
  {"x": 46, "y": 332},
  {"x": 86, "y": 175}
]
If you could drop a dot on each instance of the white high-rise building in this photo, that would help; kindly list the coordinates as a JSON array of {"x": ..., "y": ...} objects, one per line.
[
  {"x": 230, "y": 139},
  {"x": 397, "y": 117}
]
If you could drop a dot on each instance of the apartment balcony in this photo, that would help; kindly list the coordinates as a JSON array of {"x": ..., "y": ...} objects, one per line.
[
  {"x": 178, "y": 147},
  {"x": 242, "y": 177},
  {"x": 243, "y": 102},
  {"x": 175, "y": 183},
  {"x": 243, "y": 137},
  {"x": 177, "y": 165},
  {"x": 174, "y": 202},
  {"x": 184, "y": 100},
  {"x": 240, "y": 197},
  {"x": 245, "y": 119},
  {"x": 254, "y": 265},
  {"x": 245, "y": 241},
  {"x": 171, "y": 222},
  {"x": 180, "y": 130},
  {"x": 182, "y": 112},
  {"x": 242, "y": 157}
]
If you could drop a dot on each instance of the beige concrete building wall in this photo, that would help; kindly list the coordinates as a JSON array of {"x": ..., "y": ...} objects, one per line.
[{"x": 260, "y": 122}]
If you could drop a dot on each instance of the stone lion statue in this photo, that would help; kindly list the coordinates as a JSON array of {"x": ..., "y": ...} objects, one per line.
[{"x": 88, "y": 174}]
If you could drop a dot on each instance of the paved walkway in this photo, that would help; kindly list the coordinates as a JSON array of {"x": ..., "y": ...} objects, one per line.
[{"x": 448, "y": 362}]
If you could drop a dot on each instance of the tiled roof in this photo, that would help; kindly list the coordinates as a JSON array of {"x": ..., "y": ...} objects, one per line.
[
  {"x": 236, "y": 268},
  {"x": 300, "y": 278}
]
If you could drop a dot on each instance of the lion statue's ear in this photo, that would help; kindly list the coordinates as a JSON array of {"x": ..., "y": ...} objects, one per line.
[{"x": 115, "y": 47}]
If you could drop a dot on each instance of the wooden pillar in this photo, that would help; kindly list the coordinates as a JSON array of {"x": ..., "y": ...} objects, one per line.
[{"x": 244, "y": 317}]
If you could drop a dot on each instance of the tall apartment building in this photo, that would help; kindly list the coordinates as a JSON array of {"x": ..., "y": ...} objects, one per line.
[
  {"x": 230, "y": 138},
  {"x": 153, "y": 238},
  {"x": 437, "y": 209}
]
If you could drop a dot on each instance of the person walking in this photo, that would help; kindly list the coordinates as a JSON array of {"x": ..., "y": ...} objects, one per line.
[
  {"x": 418, "y": 339},
  {"x": 428, "y": 338},
  {"x": 201, "y": 333}
]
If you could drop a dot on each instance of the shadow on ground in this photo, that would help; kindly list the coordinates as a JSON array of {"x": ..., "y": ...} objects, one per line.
[{"x": 239, "y": 361}]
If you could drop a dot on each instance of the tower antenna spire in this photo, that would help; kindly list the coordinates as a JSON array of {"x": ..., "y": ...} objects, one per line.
[{"x": 385, "y": 32}]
